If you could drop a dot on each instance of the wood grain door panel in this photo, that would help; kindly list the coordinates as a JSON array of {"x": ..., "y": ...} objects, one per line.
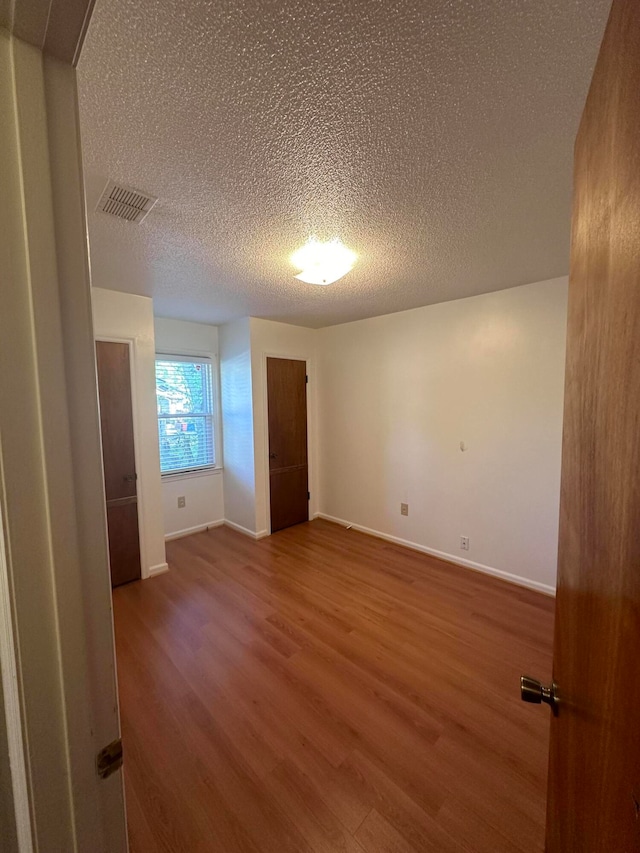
[
  {"x": 118, "y": 454},
  {"x": 116, "y": 419},
  {"x": 287, "y": 396},
  {"x": 594, "y": 770},
  {"x": 289, "y": 502},
  {"x": 124, "y": 541},
  {"x": 287, "y": 419}
]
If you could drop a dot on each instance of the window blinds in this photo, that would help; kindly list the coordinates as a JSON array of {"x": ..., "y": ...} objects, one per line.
[{"x": 184, "y": 390}]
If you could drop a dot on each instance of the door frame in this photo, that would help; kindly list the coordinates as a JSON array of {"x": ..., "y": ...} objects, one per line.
[
  {"x": 132, "y": 344},
  {"x": 309, "y": 364},
  {"x": 56, "y": 571}
]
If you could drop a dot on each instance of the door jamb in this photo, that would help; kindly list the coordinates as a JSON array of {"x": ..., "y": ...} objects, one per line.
[{"x": 132, "y": 344}]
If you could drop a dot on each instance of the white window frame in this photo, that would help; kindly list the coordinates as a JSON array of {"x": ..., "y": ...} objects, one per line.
[{"x": 212, "y": 359}]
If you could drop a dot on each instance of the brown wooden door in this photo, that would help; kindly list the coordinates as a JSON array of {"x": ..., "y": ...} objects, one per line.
[
  {"x": 594, "y": 770},
  {"x": 118, "y": 454},
  {"x": 288, "y": 467}
]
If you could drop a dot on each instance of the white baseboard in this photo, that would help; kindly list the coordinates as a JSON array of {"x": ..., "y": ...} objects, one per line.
[
  {"x": 199, "y": 528},
  {"x": 442, "y": 555},
  {"x": 187, "y": 531},
  {"x": 245, "y": 530},
  {"x": 160, "y": 569},
  {"x": 414, "y": 546}
]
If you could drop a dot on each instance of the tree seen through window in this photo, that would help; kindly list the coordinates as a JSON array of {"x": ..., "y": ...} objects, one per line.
[{"x": 185, "y": 414}]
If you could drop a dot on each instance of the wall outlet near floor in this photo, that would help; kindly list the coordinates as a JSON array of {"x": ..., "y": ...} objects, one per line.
[
  {"x": 404, "y": 509},
  {"x": 182, "y": 502},
  {"x": 464, "y": 543}
]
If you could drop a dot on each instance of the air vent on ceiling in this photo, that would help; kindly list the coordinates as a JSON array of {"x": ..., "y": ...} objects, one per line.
[{"x": 125, "y": 202}]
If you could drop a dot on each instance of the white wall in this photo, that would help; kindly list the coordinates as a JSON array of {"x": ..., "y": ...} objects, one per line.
[
  {"x": 202, "y": 491},
  {"x": 397, "y": 395},
  {"x": 125, "y": 317},
  {"x": 237, "y": 425},
  {"x": 280, "y": 339}
]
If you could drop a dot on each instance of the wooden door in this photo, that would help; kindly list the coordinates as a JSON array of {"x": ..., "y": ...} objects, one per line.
[
  {"x": 594, "y": 770},
  {"x": 118, "y": 454},
  {"x": 288, "y": 466}
]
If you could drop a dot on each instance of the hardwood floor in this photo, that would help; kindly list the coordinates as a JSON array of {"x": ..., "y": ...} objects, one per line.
[{"x": 322, "y": 690}]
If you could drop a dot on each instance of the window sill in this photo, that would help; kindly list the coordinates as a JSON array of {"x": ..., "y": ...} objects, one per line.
[{"x": 188, "y": 475}]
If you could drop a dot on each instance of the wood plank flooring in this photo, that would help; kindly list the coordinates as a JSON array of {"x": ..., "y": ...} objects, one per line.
[{"x": 322, "y": 690}]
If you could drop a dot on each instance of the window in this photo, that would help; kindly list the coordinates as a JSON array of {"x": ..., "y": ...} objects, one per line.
[{"x": 184, "y": 388}]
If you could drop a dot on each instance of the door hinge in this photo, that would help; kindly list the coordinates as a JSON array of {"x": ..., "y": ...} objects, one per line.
[
  {"x": 306, "y": 379},
  {"x": 308, "y": 496},
  {"x": 109, "y": 759}
]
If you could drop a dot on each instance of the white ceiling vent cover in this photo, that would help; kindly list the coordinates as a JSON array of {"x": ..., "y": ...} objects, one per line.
[{"x": 125, "y": 202}]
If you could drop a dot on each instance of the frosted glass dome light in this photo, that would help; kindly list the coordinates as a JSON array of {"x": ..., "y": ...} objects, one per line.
[{"x": 323, "y": 263}]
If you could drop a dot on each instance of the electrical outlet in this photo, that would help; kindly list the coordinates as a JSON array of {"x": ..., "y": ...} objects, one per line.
[
  {"x": 182, "y": 502},
  {"x": 404, "y": 509},
  {"x": 464, "y": 543}
]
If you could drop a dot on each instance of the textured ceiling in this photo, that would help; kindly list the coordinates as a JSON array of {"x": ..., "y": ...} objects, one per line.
[{"x": 434, "y": 138}]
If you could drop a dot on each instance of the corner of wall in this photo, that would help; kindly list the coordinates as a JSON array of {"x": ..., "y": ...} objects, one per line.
[{"x": 238, "y": 423}]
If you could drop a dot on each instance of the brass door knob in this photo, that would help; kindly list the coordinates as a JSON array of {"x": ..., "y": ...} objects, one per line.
[{"x": 531, "y": 690}]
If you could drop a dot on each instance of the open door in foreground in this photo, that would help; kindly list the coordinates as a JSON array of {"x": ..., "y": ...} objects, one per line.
[{"x": 594, "y": 769}]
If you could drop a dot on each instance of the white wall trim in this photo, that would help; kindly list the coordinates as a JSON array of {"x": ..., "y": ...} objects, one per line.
[
  {"x": 442, "y": 555},
  {"x": 160, "y": 569},
  {"x": 245, "y": 530},
  {"x": 13, "y": 710},
  {"x": 190, "y": 475},
  {"x": 145, "y": 569},
  {"x": 169, "y": 352},
  {"x": 199, "y": 528}
]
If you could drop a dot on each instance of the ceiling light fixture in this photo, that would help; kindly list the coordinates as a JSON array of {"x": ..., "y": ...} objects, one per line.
[{"x": 323, "y": 263}]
